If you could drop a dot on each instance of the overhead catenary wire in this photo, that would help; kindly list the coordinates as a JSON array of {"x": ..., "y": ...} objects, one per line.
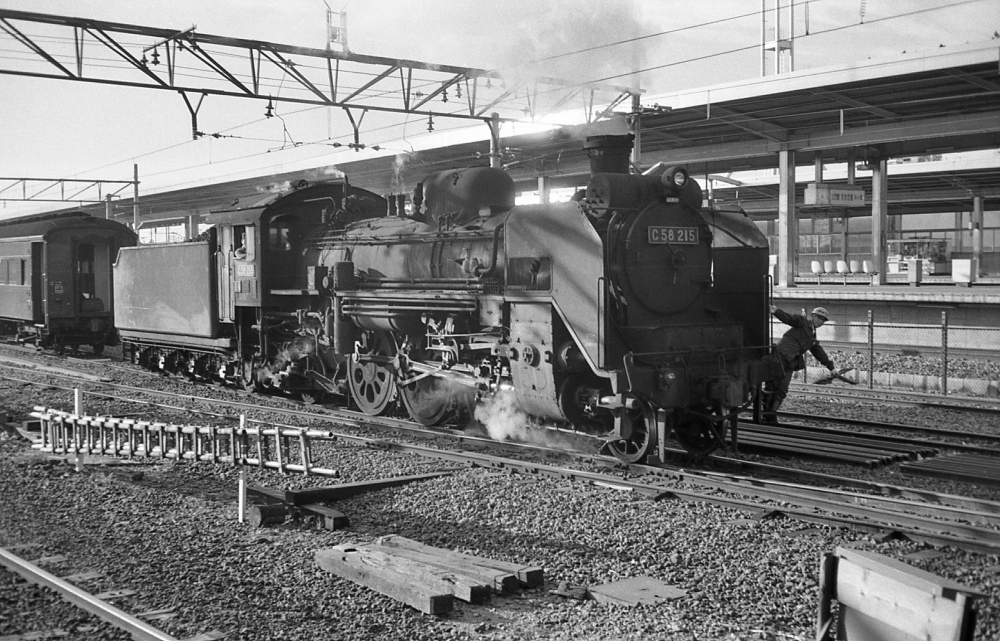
[{"x": 618, "y": 43}]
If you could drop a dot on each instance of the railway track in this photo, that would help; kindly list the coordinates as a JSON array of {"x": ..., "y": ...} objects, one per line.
[
  {"x": 972, "y": 525},
  {"x": 909, "y": 516},
  {"x": 954, "y": 521},
  {"x": 68, "y": 589}
]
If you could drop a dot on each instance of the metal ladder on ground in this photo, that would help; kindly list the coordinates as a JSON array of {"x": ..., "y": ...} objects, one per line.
[{"x": 69, "y": 433}]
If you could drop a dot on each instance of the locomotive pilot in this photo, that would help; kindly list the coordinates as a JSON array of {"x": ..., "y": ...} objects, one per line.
[{"x": 798, "y": 340}]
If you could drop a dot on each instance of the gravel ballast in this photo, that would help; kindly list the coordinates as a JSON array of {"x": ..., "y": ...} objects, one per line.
[{"x": 170, "y": 531}]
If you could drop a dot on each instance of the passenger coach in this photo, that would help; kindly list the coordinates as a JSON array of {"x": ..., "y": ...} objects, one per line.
[{"x": 56, "y": 281}]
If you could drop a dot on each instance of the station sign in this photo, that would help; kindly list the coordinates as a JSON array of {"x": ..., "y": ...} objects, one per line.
[{"x": 834, "y": 195}]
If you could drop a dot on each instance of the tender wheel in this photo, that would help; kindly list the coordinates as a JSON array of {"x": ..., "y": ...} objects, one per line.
[
  {"x": 248, "y": 380},
  {"x": 638, "y": 431},
  {"x": 313, "y": 397},
  {"x": 98, "y": 348},
  {"x": 373, "y": 382},
  {"x": 695, "y": 433}
]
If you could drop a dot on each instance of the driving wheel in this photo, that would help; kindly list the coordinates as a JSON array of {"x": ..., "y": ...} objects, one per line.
[
  {"x": 638, "y": 431},
  {"x": 696, "y": 435},
  {"x": 372, "y": 379},
  {"x": 432, "y": 401}
]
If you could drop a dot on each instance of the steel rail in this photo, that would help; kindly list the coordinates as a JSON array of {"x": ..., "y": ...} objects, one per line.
[
  {"x": 914, "y": 528},
  {"x": 921, "y": 497},
  {"x": 753, "y": 428},
  {"x": 896, "y": 397},
  {"x": 122, "y": 620},
  {"x": 938, "y": 431}
]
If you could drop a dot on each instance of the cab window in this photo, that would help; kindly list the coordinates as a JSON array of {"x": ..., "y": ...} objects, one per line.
[
  {"x": 243, "y": 242},
  {"x": 280, "y": 238}
]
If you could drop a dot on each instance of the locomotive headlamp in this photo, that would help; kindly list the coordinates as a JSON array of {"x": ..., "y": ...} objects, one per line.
[{"x": 674, "y": 180}]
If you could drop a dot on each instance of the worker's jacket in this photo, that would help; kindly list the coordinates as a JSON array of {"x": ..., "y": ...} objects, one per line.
[{"x": 798, "y": 340}]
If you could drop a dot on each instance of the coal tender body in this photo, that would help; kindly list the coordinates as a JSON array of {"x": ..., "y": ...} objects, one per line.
[{"x": 241, "y": 303}]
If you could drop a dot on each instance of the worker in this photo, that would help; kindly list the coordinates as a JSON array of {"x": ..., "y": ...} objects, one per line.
[{"x": 790, "y": 353}]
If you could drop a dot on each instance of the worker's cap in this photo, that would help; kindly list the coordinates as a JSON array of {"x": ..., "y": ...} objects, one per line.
[{"x": 821, "y": 312}]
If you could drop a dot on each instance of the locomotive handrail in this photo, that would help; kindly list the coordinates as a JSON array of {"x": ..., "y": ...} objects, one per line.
[
  {"x": 360, "y": 310},
  {"x": 453, "y": 284},
  {"x": 487, "y": 271},
  {"x": 692, "y": 351},
  {"x": 401, "y": 239}
]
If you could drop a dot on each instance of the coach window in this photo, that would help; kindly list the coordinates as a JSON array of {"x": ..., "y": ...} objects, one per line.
[
  {"x": 85, "y": 271},
  {"x": 24, "y": 272}
]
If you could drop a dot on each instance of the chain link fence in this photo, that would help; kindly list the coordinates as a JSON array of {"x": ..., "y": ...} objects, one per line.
[{"x": 938, "y": 358}]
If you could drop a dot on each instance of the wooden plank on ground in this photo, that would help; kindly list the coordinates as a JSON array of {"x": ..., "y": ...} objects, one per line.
[
  {"x": 502, "y": 582},
  {"x": 528, "y": 576},
  {"x": 466, "y": 588},
  {"x": 261, "y": 515},
  {"x": 332, "y": 519},
  {"x": 347, "y": 490},
  {"x": 348, "y": 562},
  {"x": 265, "y": 495}
]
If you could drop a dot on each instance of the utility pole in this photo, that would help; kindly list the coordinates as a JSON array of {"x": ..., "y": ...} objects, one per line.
[
  {"x": 135, "y": 198},
  {"x": 777, "y": 44},
  {"x": 336, "y": 34}
]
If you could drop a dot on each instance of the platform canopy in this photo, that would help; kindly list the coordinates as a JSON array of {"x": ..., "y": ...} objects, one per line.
[{"x": 915, "y": 104}]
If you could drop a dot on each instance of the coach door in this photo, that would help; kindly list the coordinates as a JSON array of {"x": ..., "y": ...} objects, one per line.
[{"x": 92, "y": 275}]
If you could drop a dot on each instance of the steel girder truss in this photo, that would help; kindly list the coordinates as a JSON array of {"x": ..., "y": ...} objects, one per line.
[
  {"x": 69, "y": 189},
  {"x": 197, "y": 65}
]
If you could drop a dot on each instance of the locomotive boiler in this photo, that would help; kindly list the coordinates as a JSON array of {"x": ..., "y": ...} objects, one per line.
[{"x": 629, "y": 313}]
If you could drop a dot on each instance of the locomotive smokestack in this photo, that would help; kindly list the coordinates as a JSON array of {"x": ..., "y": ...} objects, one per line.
[
  {"x": 609, "y": 154},
  {"x": 417, "y": 200}
]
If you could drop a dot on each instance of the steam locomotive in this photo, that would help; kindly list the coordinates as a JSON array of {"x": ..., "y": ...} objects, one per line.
[{"x": 629, "y": 313}]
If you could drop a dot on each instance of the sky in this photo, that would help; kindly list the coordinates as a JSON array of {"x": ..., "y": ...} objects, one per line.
[{"x": 64, "y": 129}]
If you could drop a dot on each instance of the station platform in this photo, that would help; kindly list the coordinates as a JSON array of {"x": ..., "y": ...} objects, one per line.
[{"x": 897, "y": 301}]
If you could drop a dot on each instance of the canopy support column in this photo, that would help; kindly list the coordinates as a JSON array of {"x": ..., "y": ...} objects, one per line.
[
  {"x": 880, "y": 219},
  {"x": 788, "y": 227}
]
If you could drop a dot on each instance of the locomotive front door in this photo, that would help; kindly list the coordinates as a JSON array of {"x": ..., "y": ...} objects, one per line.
[{"x": 282, "y": 242}]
